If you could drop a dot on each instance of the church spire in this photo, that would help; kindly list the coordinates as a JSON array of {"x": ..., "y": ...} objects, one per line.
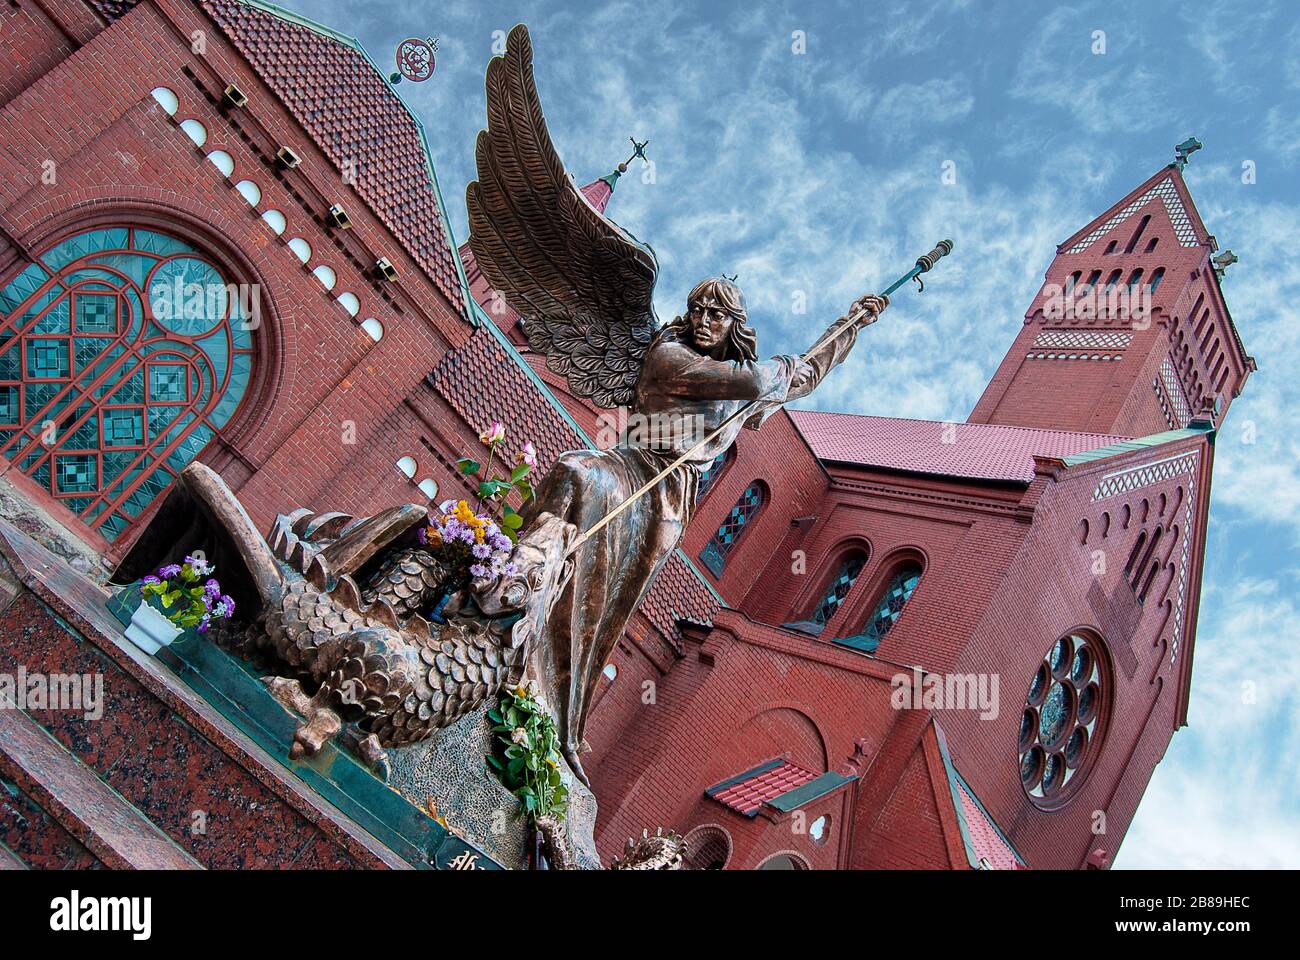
[{"x": 599, "y": 191}]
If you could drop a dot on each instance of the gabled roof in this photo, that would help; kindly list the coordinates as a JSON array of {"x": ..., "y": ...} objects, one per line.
[
  {"x": 348, "y": 107},
  {"x": 1165, "y": 185},
  {"x": 746, "y": 792},
  {"x": 976, "y": 451},
  {"x": 987, "y": 847}
]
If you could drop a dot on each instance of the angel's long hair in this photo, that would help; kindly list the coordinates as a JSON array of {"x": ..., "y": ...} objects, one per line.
[{"x": 742, "y": 342}]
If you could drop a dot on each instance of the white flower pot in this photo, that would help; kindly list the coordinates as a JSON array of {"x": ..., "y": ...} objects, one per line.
[{"x": 150, "y": 630}]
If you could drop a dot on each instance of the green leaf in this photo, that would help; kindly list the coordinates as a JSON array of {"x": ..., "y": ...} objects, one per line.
[
  {"x": 168, "y": 599},
  {"x": 494, "y": 716},
  {"x": 525, "y": 489},
  {"x": 512, "y": 535},
  {"x": 512, "y": 521},
  {"x": 468, "y": 466},
  {"x": 495, "y": 763},
  {"x": 519, "y": 472}
]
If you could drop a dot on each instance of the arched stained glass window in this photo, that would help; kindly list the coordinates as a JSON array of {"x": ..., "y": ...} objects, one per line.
[
  {"x": 710, "y": 474},
  {"x": 714, "y": 554},
  {"x": 122, "y": 352},
  {"x": 888, "y": 608},
  {"x": 833, "y": 597}
]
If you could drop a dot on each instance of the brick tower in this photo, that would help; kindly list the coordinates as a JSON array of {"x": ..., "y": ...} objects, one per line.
[{"x": 1129, "y": 334}]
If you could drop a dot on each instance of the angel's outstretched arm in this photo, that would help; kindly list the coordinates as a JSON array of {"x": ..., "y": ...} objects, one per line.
[
  {"x": 677, "y": 370},
  {"x": 834, "y": 345}
]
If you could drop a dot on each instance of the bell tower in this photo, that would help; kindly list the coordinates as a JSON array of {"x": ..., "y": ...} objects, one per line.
[{"x": 1129, "y": 334}]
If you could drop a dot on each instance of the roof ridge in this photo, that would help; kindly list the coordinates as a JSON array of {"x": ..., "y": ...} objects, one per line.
[{"x": 957, "y": 423}]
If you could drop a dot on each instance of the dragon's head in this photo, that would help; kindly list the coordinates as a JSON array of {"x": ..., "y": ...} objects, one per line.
[{"x": 523, "y": 600}]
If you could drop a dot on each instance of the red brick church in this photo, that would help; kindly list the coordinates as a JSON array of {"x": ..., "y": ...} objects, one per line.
[{"x": 883, "y": 642}]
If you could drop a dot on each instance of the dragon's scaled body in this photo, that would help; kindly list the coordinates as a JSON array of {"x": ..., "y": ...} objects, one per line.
[{"x": 340, "y": 617}]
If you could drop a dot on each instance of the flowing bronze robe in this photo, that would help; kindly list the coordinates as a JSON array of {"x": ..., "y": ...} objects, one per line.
[{"x": 682, "y": 396}]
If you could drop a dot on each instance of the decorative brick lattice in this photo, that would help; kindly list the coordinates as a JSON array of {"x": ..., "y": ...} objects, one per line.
[
  {"x": 1144, "y": 475},
  {"x": 1084, "y": 339},
  {"x": 1182, "y": 409},
  {"x": 1168, "y": 194}
]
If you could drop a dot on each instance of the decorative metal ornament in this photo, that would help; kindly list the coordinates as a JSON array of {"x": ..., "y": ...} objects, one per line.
[{"x": 415, "y": 60}]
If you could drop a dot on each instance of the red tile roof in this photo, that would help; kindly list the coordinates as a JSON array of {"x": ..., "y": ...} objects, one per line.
[
  {"x": 979, "y": 451},
  {"x": 984, "y": 835},
  {"x": 748, "y": 791},
  {"x": 355, "y": 117}
]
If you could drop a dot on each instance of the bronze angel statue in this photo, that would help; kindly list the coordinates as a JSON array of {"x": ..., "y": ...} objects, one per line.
[{"x": 584, "y": 287}]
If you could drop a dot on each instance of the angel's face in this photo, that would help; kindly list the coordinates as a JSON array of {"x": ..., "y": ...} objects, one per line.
[{"x": 710, "y": 324}]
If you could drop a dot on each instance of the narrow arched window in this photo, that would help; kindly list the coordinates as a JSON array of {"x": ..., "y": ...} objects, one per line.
[
  {"x": 1137, "y": 234},
  {"x": 1113, "y": 279},
  {"x": 888, "y": 608},
  {"x": 1157, "y": 275},
  {"x": 715, "y": 552},
  {"x": 710, "y": 474},
  {"x": 1134, "y": 279},
  {"x": 833, "y": 596}
]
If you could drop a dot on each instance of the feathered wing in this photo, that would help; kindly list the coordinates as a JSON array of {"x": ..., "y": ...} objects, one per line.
[{"x": 582, "y": 284}]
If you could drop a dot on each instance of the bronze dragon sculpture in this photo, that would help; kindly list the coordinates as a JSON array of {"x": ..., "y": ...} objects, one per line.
[{"x": 340, "y": 620}]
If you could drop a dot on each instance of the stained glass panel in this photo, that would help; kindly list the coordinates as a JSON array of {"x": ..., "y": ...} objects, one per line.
[
  {"x": 108, "y": 388},
  {"x": 715, "y": 551},
  {"x": 888, "y": 609}
]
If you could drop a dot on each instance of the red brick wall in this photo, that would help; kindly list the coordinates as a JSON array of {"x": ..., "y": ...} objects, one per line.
[
  {"x": 326, "y": 410},
  {"x": 1044, "y": 595}
]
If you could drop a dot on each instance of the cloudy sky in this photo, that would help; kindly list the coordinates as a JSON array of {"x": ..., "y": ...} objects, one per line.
[{"x": 820, "y": 172}]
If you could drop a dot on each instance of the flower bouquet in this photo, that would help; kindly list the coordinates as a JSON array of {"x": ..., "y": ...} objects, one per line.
[{"x": 175, "y": 599}]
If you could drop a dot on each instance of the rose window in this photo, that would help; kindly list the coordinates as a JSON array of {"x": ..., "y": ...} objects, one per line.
[{"x": 1061, "y": 726}]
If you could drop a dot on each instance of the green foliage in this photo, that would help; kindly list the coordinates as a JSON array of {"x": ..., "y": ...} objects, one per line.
[{"x": 526, "y": 755}]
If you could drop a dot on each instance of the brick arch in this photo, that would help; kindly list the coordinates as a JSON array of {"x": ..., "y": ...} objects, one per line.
[
  {"x": 254, "y": 408},
  {"x": 828, "y": 567},
  {"x": 886, "y": 568},
  {"x": 192, "y": 222},
  {"x": 776, "y": 714}
]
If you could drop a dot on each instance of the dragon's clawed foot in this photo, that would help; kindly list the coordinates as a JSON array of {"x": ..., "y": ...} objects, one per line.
[{"x": 368, "y": 750}]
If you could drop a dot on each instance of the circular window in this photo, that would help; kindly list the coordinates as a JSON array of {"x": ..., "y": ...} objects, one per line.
[
  {"x": 820, "y": 830},
  {"x": 1061, "y": 723}
]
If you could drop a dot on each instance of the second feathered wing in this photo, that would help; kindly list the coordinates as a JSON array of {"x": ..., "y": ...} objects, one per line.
[{"x": 582, "y": 284}]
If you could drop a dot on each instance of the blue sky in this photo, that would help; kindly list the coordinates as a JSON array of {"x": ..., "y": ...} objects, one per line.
[{"x": 821, "y": 172}]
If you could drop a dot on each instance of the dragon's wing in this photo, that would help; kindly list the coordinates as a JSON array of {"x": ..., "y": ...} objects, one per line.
[{"x": 582, "y": 284}]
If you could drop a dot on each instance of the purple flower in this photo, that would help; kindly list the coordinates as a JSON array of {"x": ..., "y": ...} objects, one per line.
[
  {"x": 423, "y": 536},
  {"x": 150, "y": 579},
  {"x": 212, "y": 588},
  {"x": 510, "y": 569},
  {"x": 501, "y": 542},
  {"x": 478, "y": 570},
  {"x": 229, "y": 604},
  {"x": 481, "y": 550},
  {"x": 170, "y": 570}
]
